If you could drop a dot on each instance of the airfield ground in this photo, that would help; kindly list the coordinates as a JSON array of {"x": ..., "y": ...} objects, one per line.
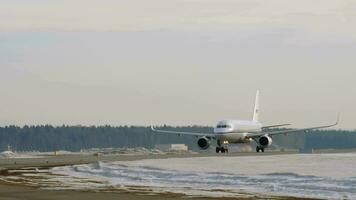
[
  {"x": 18, "y": 192},
  {"x": 10, "y": 191},
  {"x": 75, "y": 159}
]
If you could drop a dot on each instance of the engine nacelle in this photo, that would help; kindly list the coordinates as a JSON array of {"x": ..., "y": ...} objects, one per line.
[
  {"x": 204, "y": 143},
  {"x": 265, "y": 141}
]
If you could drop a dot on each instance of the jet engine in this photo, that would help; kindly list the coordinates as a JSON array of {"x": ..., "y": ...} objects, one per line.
[
  {"x": 204, "y": 143},
  {"x": 265, "y": 141}
]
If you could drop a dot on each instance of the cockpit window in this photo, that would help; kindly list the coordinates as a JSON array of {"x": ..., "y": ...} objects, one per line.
[{"x": 223, "y": 126}]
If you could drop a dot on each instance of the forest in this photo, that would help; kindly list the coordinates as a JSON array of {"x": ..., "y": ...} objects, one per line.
[{"x": 76, "y": 138}]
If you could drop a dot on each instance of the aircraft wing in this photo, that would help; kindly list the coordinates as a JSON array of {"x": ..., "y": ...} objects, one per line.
[
  {"x": 182, "y": 133},
  {"x": 275, "y": 126},
  {"x": 271, "y": 133}
]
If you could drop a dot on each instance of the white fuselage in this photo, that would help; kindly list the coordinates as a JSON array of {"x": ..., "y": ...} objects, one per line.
[{"x": 235, "y": 131}]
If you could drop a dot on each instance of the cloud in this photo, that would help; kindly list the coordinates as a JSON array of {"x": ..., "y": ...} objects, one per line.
[{"x": 320, "y": 16}]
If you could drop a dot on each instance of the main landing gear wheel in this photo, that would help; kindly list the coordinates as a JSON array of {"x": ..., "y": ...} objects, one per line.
[{"x": 258, "y": 149}]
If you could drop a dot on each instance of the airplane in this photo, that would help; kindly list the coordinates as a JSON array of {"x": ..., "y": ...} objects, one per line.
[{"x": 242, "y": 131}]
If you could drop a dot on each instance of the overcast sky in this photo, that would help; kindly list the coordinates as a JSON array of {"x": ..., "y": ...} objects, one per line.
[{"x": 177, "y": 62}]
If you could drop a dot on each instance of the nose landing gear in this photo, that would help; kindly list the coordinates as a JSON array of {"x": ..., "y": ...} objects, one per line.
[{"x": 222, "y": 149}]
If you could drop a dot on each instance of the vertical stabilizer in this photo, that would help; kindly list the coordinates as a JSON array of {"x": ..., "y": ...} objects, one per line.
[{"x": 257, "y": 107}]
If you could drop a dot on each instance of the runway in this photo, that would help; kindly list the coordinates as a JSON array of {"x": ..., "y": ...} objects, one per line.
[
  {"x": 50, "y": 160},
  {"x": 323, "y": 176}
]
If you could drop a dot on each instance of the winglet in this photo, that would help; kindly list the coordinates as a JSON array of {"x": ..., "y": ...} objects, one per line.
[{"x": 338, "y": 119}]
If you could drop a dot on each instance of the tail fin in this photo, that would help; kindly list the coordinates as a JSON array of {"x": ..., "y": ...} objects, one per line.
[{"x": 257, "y": 107}]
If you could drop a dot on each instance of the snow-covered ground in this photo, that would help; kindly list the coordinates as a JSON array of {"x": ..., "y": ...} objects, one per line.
[
  {"x": 330, "y": 176},
  {"x": 10, "y": 154}
]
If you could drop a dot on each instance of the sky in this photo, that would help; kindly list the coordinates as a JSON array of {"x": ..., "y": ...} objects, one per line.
[{"x": 177, "y": 62}]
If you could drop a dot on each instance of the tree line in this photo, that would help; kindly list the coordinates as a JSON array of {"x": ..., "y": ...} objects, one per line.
[{"x": 75, "y": 138}]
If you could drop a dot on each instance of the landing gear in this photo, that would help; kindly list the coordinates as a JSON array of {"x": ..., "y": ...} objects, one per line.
[
  {"x": 258, "y": 149},
  {"x": 222, "y": 149}
]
